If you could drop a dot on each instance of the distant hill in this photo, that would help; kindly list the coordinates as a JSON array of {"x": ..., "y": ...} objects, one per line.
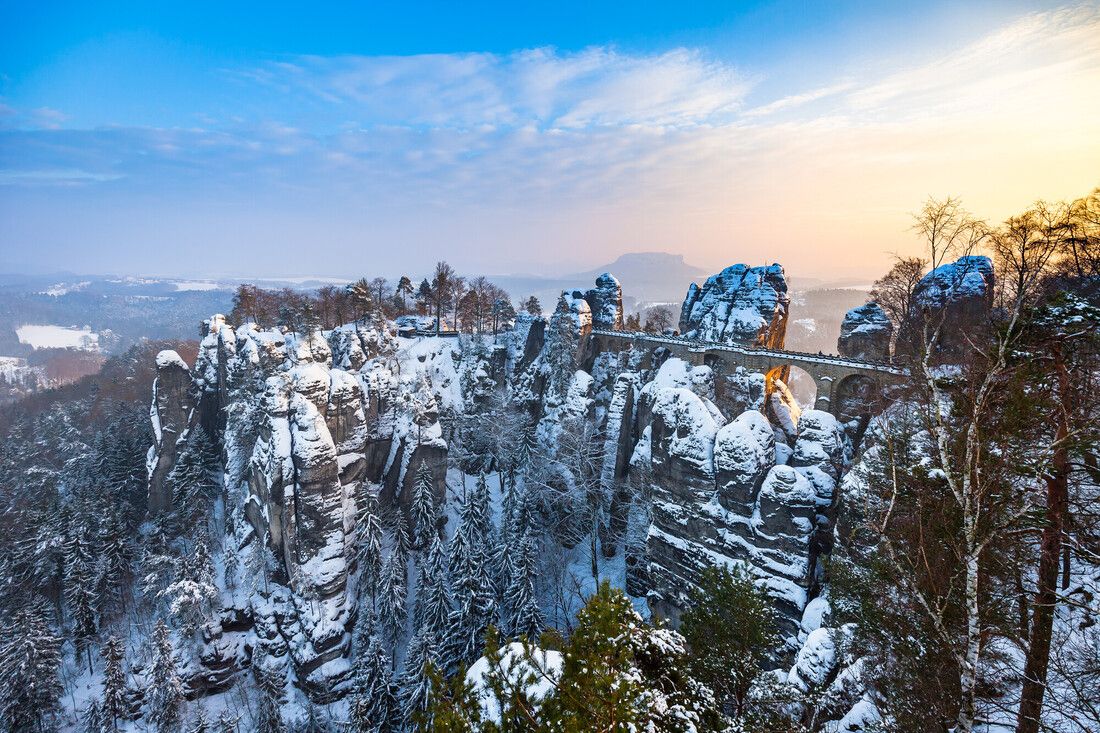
[
  {"x": 650, "y": 276},
  {"x": 646, "y": 277}
]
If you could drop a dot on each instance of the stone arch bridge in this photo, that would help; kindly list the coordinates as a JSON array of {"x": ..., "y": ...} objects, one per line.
[{"x": 837, "y": 377}]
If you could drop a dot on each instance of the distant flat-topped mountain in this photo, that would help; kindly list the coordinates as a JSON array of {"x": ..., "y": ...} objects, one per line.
[
  {"x": 650, "y": 276},
  {"x": 646, "y": 277}
]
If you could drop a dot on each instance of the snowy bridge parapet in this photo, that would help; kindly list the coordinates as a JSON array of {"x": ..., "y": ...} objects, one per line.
[{"x": 836, "y": 377}]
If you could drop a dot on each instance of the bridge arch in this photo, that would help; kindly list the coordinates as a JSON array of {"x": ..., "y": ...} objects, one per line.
[
  {"x": 856, "y": 396},
  {"x": 800, "y": 383}
]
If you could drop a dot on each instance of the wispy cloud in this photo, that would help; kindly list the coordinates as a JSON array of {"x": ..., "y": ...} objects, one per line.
[
  {"x": 603, "y": 147},
  {"x": 542, "y": 87},
  {"x": 798, "y": 100}
]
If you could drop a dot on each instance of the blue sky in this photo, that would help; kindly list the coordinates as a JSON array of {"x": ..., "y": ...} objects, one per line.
[{"x": 276, "y": 139}]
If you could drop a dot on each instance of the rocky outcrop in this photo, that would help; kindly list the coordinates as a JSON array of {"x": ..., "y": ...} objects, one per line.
[
  {"x": 306, "y": 424},
  {"x": 865, "y": 333},
  {"x": 606, "y": 302},
  {"x": 719, "y": 497},
  {"x": 170, "y": 414},
  {"x": 955, "y": 300},
  {"x": 820, "y": 453},
  {"x": 740, "y": 305}
]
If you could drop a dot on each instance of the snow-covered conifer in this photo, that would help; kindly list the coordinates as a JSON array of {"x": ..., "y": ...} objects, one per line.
[
  {"x": 114, "y": 681},
  {"x": 30, "y": 661},
  {"x": 402, "y": 542},
  {"x": 416, "y": 683},
  {"x": 471, "y": 558},
  {"x": 393, "y": 596},
  {"x": 227, "y": 722},
  {"x": 423, "y": 504},
  {"x": 164, "y": 698},
  {"x": 373, "y": 707},
  {"x": 80, "y": 588},
  {"x": 193, "y": 480},
  {"x": 369, "y": 551},
  {"x": 199, "y": 723},
  {"x": 525, "y": 618},
  {"x": 433, "y": 595},
  {"x": 268, "y": 718},
  {"x": 92, "y": 718},
  {"x": 192, "y": 595}
]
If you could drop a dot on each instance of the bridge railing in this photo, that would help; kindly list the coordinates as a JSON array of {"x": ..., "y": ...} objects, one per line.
[{"x": 796, "y": 356}]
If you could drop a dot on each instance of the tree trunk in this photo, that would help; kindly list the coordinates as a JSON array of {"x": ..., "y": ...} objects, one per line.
[
  {"x": 1050, "y": 550},
  {"x": 968, "y": 679}
]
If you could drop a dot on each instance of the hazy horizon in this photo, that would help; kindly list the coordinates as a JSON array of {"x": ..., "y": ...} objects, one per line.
[{"x": 251, "y": 142}]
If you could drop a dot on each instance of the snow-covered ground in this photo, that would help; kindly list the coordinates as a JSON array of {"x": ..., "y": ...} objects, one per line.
[
  {"x": 65, "y": 288},
  {"x": 58, "y": 337},
  {"x": 182, "y": 285}
]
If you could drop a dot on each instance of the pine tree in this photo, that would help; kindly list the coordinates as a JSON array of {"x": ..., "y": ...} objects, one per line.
[
  {"x": 93, "y": 719},
  {"x": 402, "y": 542},
  {"x": 165, "y": 693},
  {"x": 373, "y": 709},
  {"x": 526, "y": 451},
  {"x": 193, "y": 480},
  {"x": 433, "y": 595},
  {"x": 404, "y": 289},
  {"x": 369, "y": 554},
  {"x": 416, "y": 683},
  {"x": 30, "y": 662},
  {"x": 114, "y": 681},
  {"x": 314, "y": 722},
  {"x": 394, "y": 594},
  {"x": 423, "y": 504},
  {"x": 561, "y": 347},
  {"x": 192, "y": 595},
  {"x": 227, "y": 722},
  {"x": 620, "y": 674},
  {"x": 269, "y": 719},
  {"x": 200, "y": 724},
  {"x": 80, "y": 586},
  {"x": 731, "y": 626},
  {"x": 262, "y": 564},
  {"x": 361, "y": 298},
  {"x": 113, "y": 566},
  {"x": 471, "y": 556},
  {"x": 526, "y": 617}
]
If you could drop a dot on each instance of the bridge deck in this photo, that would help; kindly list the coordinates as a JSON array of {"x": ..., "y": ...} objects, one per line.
[{"x": 793, "y": 357}]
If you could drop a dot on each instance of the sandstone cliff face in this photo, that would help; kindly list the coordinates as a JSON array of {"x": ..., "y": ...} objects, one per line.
[
  {"x": 956, "y": 298},
  {"x": 170, "y": 414},
  {"x": 606, "y": 302},
  {"x": 865, "y": 333},
  {"x": 723, "y": 494},
  {"x": 309, "y": 437},
  {"x": 740, "y": 305},
  {"x": 308, "y": 422}
]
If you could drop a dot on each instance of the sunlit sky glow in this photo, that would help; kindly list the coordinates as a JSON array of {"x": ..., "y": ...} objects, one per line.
[{"x": 268, "y": 140}]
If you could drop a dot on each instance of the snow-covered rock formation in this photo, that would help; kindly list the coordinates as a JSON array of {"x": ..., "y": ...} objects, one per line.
[
  {"x": 306, "y": 423},
  {"x": 606, "y": 302},
  {"x": 740, "y": 305},
  {"x": 691, "y": 467},
  {"x": 865, "y": 333},
  {"x": 170, "y": 413},
  {"x": 721, "y": 493},
  {"x": 954, "y": 300}
]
